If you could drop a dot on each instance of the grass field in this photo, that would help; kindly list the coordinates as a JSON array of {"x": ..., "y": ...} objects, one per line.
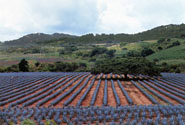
[{"x": 174, "y": 54}]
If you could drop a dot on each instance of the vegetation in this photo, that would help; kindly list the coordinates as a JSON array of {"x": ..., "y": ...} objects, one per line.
[
  {"x": 28, "y": 122},
  {"x": 126, "y": 66},
  {"x": 146, "y": 52},
  {"x": 164, "y": 44},
  {"x": 161, "y": 32},
  {"x": 23, "y": 66}
]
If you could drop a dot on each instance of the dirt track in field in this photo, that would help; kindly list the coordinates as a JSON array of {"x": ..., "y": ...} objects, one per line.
[
  {"x": 34, "y": 104},
  {"x": 60, "y": 104},
  {"x": 99, "y": 99},
  {"x": 26, "y": 90},
  {"x": 137, "y": 96},
  {"x": 122, "y": 98},
  {"x": 48, "y": 103},
  {"x": 77, "y": 98},
  {"x": 170, "y": 99},
  {"x": 87, "y": 100},
  {"x": 111, "y": 98}
]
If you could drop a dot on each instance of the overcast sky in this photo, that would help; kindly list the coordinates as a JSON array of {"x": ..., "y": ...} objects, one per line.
[{"x": 21, "y": 17}]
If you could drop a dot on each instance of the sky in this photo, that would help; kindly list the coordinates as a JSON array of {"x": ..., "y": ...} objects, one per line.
[{"x": 78, "y": 17}]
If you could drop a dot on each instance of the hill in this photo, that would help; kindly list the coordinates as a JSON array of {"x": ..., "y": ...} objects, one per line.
[
  {"x": 174, "y": 55},
  {"x": 166, "y": 31},
  {"x": 167, "y": 44},
  {"x": 32, "y": 39}
]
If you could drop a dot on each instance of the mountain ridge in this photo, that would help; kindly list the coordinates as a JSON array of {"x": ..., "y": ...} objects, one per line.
[
  {"x": 37, "y": 37},
  {"x": 163, "y": 31}
]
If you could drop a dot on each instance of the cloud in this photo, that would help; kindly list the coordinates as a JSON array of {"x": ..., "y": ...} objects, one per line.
[
  {"x": 30, "y": 16},
  {"x": 20, "y": 17},
  {"x": 132, "y": 16}
]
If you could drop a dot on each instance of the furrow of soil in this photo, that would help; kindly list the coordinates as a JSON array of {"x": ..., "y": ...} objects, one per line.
[
  {"x": 88, "y": 98},
  {"x": 122, "y": 97},
  {"x": 99, "y": 99},
  {"x": 168, "y": 98},
  {"x": 67, "y": 97},
  {"x": 167, "y": 92},
  {"x": 77, "y": 98},
  {"x": 35, "y": 103},
  {"x": 135, "y": 94},
  {"x": 48, "y": 103},
  {"x": 172, "y": 86},
  {"x": 155, "y": 97},
  {"x": 25, "y": 95},
  {"x": 111, "y": 98}
]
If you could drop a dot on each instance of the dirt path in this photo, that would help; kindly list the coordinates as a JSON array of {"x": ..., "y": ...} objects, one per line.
[
  {"x": 155, "y": 97},
  {"x": 34, "y": 104},
  {"x": 99, "y": 99},
  {"x": 87, "y": 100},
  {"x": 60, "y": 104},
  {"x": 171, "y": 100},
  {"x": 111, "y": 98},
  {"x": 28, "y": 94},
  {"x": 171, "y": 93},
  {"x": 48, "y": 103},
  {"x": 77, "y": 98},
  {"x": 122, "y": 97},
  {"x": 172, "y": 86},
  {"x": 137, "y": 96}
]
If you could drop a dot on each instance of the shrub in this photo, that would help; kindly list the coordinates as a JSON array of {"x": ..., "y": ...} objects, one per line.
[
  {"x": 23, "y": 65},
  {"x": 146, "y": 52},
  {"x": 28, "y": 122},
  {"x": 161, "y": 40}
]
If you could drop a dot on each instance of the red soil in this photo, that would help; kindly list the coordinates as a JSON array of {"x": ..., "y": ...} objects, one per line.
[
  {"x": 99, "y": 99},
  {"x": 88, "y": 98},
  {"x": 26, "y": 95},
  {"x": 67, "y": 97},
  {"x": 60, "y": 105},
  {"x": 172, "y": 100},
  {"x": 34, "y": 104},
  {"x": 108, "y": 76},
  {"x": 111, "y": 98},
  {"x": 47, "y": 103},
  {"x": 155, "y": 97},
  {"x": 171, "y": 86},
  {"x": 77, "y": 98},
  {"x": 122, "y": 98},
  {"x": 137, "y": 96}
]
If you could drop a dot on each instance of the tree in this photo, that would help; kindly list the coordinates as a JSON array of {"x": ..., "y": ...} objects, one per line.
[
  {"x": 161, "y": 40},
  {"x": 110, "y": 53},
  {"x": 23, "y": 65},
  {"x": 159, "y": 48},
  {"x": 37, "y": 64},
  {"x": 97, "y": 50},
  {"x": 133, "y": 53},
  {"x": 61, "y": 52},
  {"x": 176, "y": 43},
  {"x": 134, "y": 65},
  {"x": 146, "y": 52}
]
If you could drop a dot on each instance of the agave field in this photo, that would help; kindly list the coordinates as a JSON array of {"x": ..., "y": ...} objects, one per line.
[{"x": 83, "y": 98}]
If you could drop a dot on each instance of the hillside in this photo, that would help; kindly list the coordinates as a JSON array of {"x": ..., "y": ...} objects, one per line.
[
  {"x": 166, "y": 42},
  {"x": 166, "y": 31},
  {"x": 172, "y": 55},
  {"x": 32, "y": 39}
]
